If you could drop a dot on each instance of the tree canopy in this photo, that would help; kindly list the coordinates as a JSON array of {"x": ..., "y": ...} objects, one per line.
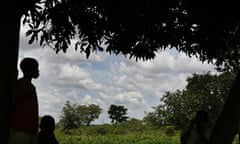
[
  {"x": 203, "y": 92},
  {"x": 209, "y": 30},
  {"x": 117, "y": 113},
  {"x": 74, "y": 116}
]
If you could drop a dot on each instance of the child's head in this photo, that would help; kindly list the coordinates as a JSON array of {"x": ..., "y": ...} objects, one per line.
[
  {"x": 29, "y": 67},
  {"x": 47, "y": 123}
]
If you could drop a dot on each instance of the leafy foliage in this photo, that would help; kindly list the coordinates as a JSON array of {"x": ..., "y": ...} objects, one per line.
[
  {"x": 152, "y": 138},
  {"x": 88, "y": 113},
  {"x": 117, "y": 113},
  {"x": 69, "y": 118},
  {"x": 202, "y": 92},
  {"x": 75, "y": 116},
  {"x": 140, "y": 28}
]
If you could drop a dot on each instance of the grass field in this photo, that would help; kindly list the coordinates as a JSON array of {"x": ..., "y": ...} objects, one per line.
[
  {"x": 118, "y": 139},
  {"x": 119, "y": 135}
]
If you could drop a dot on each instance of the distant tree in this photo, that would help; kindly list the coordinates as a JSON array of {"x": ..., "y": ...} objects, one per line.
[
  {"x": 75, "y": 116},
  {"x": 88, "y": 113},
  {"x": 156, "y": 118},
  {"x": 202, "y": 92},
  {"x": 117, "y": 113},
  {"x": 69, "y": 118}
]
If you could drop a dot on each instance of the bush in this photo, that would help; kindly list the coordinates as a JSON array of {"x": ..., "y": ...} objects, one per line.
[
  {"x": 170, "y": 130},
  {"x": 73, "y": 132}
]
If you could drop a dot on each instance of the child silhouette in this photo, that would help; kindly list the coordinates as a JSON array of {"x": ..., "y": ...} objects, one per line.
[
  {"x": 46, "y": 134},
  {"x": 24, "y": 123}
]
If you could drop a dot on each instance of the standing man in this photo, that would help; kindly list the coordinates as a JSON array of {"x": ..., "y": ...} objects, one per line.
[{"x": 24, "y": 125}]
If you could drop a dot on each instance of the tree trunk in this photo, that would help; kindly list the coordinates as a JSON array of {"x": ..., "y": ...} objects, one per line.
[
  {"x": 9, "y": 36},
  {"x": 227, "y": 124}
]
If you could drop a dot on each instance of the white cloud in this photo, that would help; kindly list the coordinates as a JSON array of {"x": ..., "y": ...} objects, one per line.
[{"x": 73, "y": 76}]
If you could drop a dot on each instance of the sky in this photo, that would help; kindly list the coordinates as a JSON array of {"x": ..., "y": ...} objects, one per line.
[{"x": 105, "y": 79}]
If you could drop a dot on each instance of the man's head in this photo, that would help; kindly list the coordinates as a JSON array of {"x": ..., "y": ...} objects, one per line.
[{"x": 29, "y": 67}]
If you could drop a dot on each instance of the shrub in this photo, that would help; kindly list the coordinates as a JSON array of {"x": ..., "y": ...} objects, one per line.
[{"x": 170, "y": 130}]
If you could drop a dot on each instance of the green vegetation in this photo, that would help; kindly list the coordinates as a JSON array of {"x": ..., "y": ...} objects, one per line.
[
  {"x": 203, "y": 92},
  {"x": 120, "y": 134},
  {"x": 117, "y": 134},
  {"x": 118, "y": 139},
  {"x": 73, "y": 115}
]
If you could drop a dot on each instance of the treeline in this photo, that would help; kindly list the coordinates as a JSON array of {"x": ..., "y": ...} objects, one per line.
[
  {"x": 203, "y": 91},
  {"x": 75, "y": 116}
]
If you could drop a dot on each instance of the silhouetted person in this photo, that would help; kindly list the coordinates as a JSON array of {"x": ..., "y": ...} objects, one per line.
[
  {"x": 24, "y": 125},
  {"x": 198, "y": 131},
  {"x": 46, "y": 134}
]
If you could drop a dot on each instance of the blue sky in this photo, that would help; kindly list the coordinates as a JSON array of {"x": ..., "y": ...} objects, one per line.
[{"x": 105, "y": 79}]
